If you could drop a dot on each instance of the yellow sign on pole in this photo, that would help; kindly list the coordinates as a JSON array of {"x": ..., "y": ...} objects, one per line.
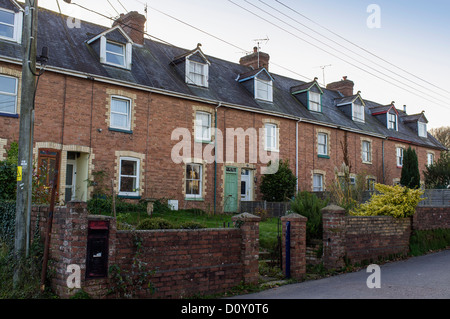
[{"x": 19, "y": 173}]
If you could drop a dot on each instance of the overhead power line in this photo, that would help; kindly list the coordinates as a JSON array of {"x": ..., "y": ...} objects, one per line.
[
  {"x": 360, "y": 47},
  {"x": 334, "y": 55}
]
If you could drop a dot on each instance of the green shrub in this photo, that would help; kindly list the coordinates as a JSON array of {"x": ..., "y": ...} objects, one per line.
[
  {"x": 192, "y": 225},
  {"x": 155, "y": 223},
  {"x": 280, "y": 186},
  {"x": 309, "y": 205},
  {"x": 424, "y": 241},
  {"x": 396, "y": 201}
]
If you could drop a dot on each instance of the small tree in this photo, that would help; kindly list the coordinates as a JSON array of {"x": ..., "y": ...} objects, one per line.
[
  {"x": 280, "y": 186},
  {"x": 410, "y": 176},
  {"x": 437, "y": 175}
]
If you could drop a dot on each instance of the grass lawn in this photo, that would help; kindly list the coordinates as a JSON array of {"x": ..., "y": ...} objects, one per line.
[{"x": 267, "y": 228}]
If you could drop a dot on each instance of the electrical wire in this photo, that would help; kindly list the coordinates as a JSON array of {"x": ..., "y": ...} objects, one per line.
[
  {"x": 332, "y": 54},
  {"x": 360, "y": 47},
  {"x": 360, "y": 55}
]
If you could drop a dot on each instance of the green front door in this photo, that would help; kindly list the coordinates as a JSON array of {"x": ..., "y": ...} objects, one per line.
[{"x": 231, "y": 190}]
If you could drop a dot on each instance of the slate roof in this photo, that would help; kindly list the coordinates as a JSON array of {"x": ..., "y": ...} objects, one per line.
[{"x": 152, "y": 67}]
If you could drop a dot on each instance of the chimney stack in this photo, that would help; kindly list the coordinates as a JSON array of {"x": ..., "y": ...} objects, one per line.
[
  {"x": 344, "y": 86},
  {"x": 256, "y": 60},
  {"x": 133, "y": 23}
]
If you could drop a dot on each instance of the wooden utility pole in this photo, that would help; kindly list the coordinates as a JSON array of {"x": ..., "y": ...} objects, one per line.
[{"x": 25, "y": 164}]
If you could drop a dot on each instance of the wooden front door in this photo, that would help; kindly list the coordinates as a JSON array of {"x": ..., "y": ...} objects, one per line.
[{"x": 48, "y": 174}]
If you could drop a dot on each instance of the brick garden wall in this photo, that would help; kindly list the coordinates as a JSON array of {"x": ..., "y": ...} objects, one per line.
[
  {"x": 185, "y": 262},
  {"x": 431, "y": 217}
]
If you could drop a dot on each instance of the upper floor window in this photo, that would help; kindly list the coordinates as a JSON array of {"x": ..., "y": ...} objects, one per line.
[
  {"x": 11, "y": 25},
  {"x": 322, "y": 141},
  {"x": 314, "y": 101},
  {"x": 7, "y": 23},
  {"x": 271, "y": 136},
  {"x": 430, "y": 159},
  {"x": 197, "y": 73},
  {"x": 392, "y": 121},
  {"x": 202, "y": 126},
  {"x": 366, "y": 152},
  {"x": 358, "y": 112},
  {"x": 263, "y": 90},
  {"x": 422, "y": 129},
  {"x": 115, "y": 53},
  {"x": 8, "y": 95},
  {"x": 120, "y": 113},
  {"x": 399, "y": 157}
]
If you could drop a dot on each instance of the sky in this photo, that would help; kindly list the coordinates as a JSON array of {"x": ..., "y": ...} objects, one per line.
[{"x": 393, "y": 50}]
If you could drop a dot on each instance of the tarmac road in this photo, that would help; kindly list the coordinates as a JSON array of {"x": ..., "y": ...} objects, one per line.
[{"x": 424, "y": 277}]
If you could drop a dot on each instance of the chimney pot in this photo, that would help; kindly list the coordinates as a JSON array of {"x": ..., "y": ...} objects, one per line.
[
  {"x": 344, "y": 86},
  {"x": 256, "y": 60},
  {"x": 133, "y": 23}
]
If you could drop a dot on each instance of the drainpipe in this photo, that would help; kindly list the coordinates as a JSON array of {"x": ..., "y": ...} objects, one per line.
[
  {"x": 215, "y": 156},
  {"x": 382, "y": 160},
  {"x": 296, "y": 150}
]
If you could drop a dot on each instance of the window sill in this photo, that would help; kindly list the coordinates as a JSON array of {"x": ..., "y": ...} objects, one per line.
[
  {"x": 15, "y": 116},
  {"x": 323, "y": 156},
  {"x": 129, "y": 196},
  {"x": 368, "y": 163},
  {"x": 120, "y": 130},
  {"x": 204, "y": 142},
  {"x": 200, "y": 199},
  {"x": 271, "y": 150}
]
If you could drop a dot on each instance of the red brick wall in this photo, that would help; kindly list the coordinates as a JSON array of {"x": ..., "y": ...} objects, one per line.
[
  {"x": 361, "y": 238},
  {"x": 187, "y": 262},
  {"x": 431, "y": 218}
]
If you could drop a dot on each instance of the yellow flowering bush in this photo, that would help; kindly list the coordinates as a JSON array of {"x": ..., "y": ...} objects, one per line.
[{"x": 395, "y": 201}]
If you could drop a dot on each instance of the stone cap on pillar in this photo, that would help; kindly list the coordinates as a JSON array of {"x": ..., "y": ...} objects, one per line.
[
  {"x": 334, "y": 209},
  {"x": 294, "y": 216},
  {"x": 246, "y": 217}
]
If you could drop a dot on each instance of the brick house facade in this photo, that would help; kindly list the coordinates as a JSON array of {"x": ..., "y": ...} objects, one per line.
[{"x": 114, "y": 101}]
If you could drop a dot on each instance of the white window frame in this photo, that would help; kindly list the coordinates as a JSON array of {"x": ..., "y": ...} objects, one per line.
[
  {"x": 199, "y": 127},
  {"x": 392, "y": 125},
  {"x": 271, "y": 137},
  {"x": 422, "y": 129},
  {"x": 195, "y": 71},
  {"x": 322, "y": 146},
  {"x": 430, "y": 159},
  {"x": 128, "y": 114},
  {"x": 317, "y": 182},
  {"x": 137, "y": 176},
  {"x": 315, "y": 103},
  {"x": 17, "y": 26},
  {"x": 10, "y": 94},
  {"x": 358, "y": 112},
  {"x": 366, "y": 151},
  {"x": 399, "y": 155},
  {"x": 199, "y": 180},
  {"x": 266, "y": 87},
  {"x": 127, "y": 49},
  {"x": 371, "y": 183}
]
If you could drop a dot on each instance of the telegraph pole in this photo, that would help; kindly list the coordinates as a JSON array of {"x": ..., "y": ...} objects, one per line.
[{"x": 25, "y": 164}]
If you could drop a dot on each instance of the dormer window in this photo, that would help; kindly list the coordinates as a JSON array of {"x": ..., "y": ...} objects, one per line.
[
  {"x": 314, "y": 102},
  {"x": 358, "y": 112},
  {"x": 392, "y": 121},
  {"x": 114, "y": 47},
  {"x": 422, "y": 129},
  {"x": 309, "y": 94},
  {"x": 10, "y": 25},
  {"x": 196, "y": 73},
  {"x": 115, "y": 53},
  {"x": 263, "y": 90}
]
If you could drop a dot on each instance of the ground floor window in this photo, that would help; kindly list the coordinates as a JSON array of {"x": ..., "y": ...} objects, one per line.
[
  {"x": 318, "y": 183},
  {"x": 194, "y": 180},
  {"x": 129, "y": 176}
]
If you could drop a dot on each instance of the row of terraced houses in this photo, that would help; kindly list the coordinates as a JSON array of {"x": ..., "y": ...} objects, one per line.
[{"x": 147, "y": 113}]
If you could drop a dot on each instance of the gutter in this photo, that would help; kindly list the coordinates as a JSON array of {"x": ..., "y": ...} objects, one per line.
[{"x": 107, "y": 80}]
